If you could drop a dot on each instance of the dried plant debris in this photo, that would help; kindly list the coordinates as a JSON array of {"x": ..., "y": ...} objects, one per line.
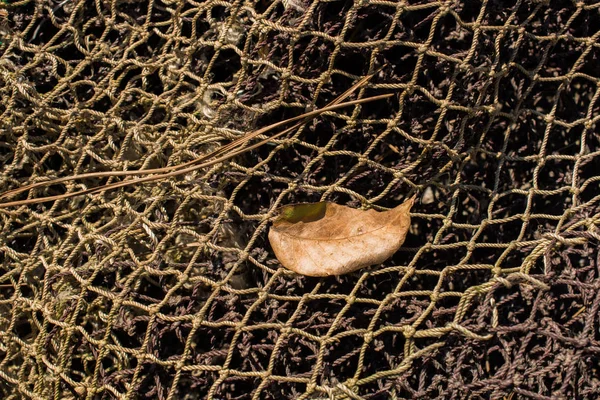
[{"x": 323, "y": 239}]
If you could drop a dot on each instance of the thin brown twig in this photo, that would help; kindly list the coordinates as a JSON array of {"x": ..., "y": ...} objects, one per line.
[
  {"x": 219, "y": 151},
  {"x": 193, "y": 167}
]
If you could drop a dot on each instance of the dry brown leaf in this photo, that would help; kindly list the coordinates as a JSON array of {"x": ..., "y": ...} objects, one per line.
[{"x": 323, "y": 239}]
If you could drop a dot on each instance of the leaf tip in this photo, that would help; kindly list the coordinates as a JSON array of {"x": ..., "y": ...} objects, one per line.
[{"x": 407, "y": 205}]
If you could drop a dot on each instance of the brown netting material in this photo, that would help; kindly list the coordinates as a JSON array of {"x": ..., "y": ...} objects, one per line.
[{"x": 170, "y": 290}]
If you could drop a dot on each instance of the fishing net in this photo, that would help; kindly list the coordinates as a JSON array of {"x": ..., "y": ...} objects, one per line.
[{"x": 170, "y": 289}]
